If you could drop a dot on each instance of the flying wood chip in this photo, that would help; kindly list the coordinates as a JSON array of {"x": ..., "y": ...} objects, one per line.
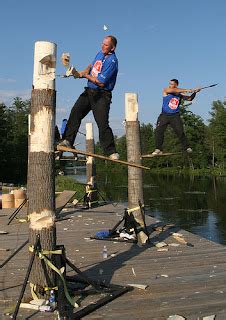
[{"x": 65, "y": 59}]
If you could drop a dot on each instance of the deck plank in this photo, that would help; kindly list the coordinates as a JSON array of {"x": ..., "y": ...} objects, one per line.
[{"x": 184, "y": 280}]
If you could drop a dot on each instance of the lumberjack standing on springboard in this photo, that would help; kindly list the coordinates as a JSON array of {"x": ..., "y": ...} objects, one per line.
[
  {"x": 101, "y": 76},
  {"x": 170, "y": 115}
]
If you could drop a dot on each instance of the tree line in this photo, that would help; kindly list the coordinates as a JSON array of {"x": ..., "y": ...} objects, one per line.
[{"x": 208, "y": 141}]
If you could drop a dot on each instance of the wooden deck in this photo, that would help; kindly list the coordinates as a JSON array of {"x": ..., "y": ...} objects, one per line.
[{"x": 185, "y": 280}]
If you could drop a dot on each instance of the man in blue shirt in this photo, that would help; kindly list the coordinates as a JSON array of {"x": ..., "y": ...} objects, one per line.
[
  {"x": 63, "y": 127},
  {"x": 172, "y": 97},
  {"x": 101, "y": 76}
]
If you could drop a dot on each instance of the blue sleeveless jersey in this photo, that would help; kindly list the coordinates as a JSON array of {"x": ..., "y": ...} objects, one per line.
[{"x": 171, "y": 103}]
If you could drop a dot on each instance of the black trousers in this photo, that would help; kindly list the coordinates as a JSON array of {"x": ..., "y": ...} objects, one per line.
[
  {"x": 174, "y": 120},
  {"x": 99, "y": 102}
]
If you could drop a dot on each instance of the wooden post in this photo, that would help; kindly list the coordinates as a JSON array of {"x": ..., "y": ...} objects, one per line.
[
  {"x": 91, "y": 166},
  {"x": 41, "y": 162},
  {"x": 135, "y": 177}
]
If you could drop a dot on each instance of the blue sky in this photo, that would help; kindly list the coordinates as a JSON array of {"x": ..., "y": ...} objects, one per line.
[{"x": 157, "y": 41}]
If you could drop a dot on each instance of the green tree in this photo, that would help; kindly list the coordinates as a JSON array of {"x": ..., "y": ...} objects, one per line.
[
  {"x": 217, "y": 132},
  {"x": 4, "y": 142},
  {"x": 13, "y": 142}
]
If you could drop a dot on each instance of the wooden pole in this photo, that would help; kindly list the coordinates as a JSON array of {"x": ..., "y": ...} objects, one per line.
[
  {"x": 91, "y": 166},
  {"x": 90, "y": 163},
  {"x": 135, "y": 177},
  {"x": 41, "y": 162}
]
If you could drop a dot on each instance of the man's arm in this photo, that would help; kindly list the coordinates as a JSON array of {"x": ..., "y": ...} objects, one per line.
[
  {"x": 85, "y": 74},
  {"x": 188, "y": 98},
  {"x": 177, "y": 90},
  {"x": 191, "y": 97},
  {"x": 93, "y": 80},
  {"x": 86, "y": 71}
]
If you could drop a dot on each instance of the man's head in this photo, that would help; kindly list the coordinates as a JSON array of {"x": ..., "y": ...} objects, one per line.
[
  {"x": 109, "y": 44},
  {"x": 173, "y": 83}
]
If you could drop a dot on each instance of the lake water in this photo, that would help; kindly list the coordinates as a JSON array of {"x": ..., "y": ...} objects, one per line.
[{"x": 196, "y": 204}]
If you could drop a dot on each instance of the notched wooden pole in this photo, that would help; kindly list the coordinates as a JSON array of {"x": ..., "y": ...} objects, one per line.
[
  {"x": 135, "y": 176},
  {"x": 41, "y": 174}
]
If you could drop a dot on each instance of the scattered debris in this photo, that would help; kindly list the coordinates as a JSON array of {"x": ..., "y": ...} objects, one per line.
[
  {"x": 173, "y": 244},
  {"x": 161, "y": 275},
  {"x": 162, "y": 249},
  {"x": 212, "y": 317},
  {"x": 160, "y": 244},
  {"x": 182, "y": 240},
  {"x": 133, "y": 271},
  {"x": 138, "y": 286},
  {"x": 176, "y": 234},
  {"x": 176, "y": 317},
  {"x": 3, "y": 232}
]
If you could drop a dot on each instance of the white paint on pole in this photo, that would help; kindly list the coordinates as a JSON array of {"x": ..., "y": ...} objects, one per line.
[
  {"x": 89, "y": 160},
  {"x": 29, "y": 124},
  {"x": 89, "y": 131},
  {"x": 131, "y": 106},
  {"x": 89, "y": 136},
  {"x": 44, "y": 65},
  {"x": 43, "y": 127}
]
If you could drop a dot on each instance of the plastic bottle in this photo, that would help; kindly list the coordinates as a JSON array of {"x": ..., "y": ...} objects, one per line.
[
  {"x": 52, "y": 300},
  {"x": 105, "y": 252}
]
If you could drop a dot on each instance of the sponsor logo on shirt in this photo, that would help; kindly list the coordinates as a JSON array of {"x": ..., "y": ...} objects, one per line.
[
  {"x": 174, "y": 103},
  {"x": 96, "y": 68}
]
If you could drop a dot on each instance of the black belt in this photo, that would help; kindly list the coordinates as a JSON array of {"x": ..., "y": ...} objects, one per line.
[{"x": 97, "y": 90}]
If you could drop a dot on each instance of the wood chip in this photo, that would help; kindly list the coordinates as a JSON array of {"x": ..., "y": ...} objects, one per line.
[
  {"x": 176, "y": 234},
  {"x": 162, "y": 249},
  {"x": 160, "y": 244},
  {"x": 173, "y": 244},
  {"x": 176, "y": 317},
  {"x": 212, "y": 317},
  {"x": 138, "y": 286},
  {"x": 3, "y": 232},
  {"x": 181, "y": 240},
  {"x": 133, "y": 271}
]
